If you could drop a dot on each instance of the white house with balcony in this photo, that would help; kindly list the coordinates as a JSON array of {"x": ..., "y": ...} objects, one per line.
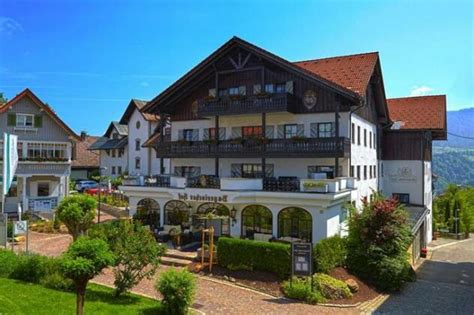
[
  {"x": 264, "y": 148},
  {"x": 45, "y": 145}
]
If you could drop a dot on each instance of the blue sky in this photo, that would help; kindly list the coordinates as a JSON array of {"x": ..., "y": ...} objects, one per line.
[{"x": 88, "y": 58}]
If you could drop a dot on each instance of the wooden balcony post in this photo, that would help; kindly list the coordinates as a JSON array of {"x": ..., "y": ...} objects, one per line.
[
  {"x": 336, "y": 126},
  {"x": 216, "y": 161},
  {"x": 162, "y": 139},
  {"x": 264, "y": 129}
]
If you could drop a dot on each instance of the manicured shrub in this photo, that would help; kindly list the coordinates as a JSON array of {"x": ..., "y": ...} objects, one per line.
[
  {"x": 253, "y": 255},
  {"x": 300, "y": 289},
  {"x": 178, "y": 289},
  {"x": 331, "y": 288},
  {"x": 57, "y": 281},
  {"x": 329, "y": 253},
  {"x": 77, "y": 212},
  {"x": 29, "y": 268},
  {"x": 377, "y": 245},
  {"x": 8, "y": 261}
]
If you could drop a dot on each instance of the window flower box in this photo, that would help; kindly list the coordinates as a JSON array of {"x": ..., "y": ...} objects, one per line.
[{"x": 315, "y": 186}]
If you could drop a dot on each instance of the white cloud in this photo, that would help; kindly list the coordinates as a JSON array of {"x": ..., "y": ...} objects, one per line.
[
  {"x": 9, "y": 26},
  {"x": 145, "y": 84},
  {"x": 420, "y": 90}
]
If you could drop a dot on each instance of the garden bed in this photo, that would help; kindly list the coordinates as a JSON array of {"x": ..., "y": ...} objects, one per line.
[{"x": 366, "y": 292}]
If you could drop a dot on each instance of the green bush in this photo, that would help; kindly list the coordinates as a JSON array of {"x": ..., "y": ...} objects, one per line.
[
  {"x": 331, "y": 288},
  {"x": 377, "y": 245},
  {"x": 178, "y": 289},
  {"x": 329, "y": 253},
  {"x": 300, "y": 289},
  {"x": 253, "y": 255},
  {"x": 30, "y": 268},
  {"x": 57, "y": 281},
  {"x": 8, "y": 261}
]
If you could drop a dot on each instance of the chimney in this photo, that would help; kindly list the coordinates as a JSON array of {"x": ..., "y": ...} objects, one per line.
[{"x": 83, "y": 135}]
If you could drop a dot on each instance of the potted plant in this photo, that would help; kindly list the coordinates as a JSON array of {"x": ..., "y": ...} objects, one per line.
[
  {"x": 315, "y": 187},
  {"x": 210, "y": 141},
  {"x": 183, "y": 142},
  {"x": 263, "y": 95},
  {"x": 263, "y": 140},
  {"x": 424, "y": 252},
  {"x": 236, "y": 97},
  {"x": 238, "y": 140},
  {"x": 210, "y": 98},
  {"x": 298, "y": 139}
]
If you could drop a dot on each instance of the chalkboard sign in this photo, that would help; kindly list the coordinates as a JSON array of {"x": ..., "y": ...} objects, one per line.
[{"x": 302, "y": 261}]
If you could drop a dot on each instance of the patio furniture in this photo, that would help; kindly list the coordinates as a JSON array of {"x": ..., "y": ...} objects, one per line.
[
  {"x": 262, "y": 237},
  {"x": 164, "y": 233}
]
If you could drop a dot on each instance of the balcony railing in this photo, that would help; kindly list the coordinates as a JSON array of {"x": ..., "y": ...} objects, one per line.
[
  {"x": 304, "y": 147},
  {"x": 235, "y": 105},
  {"x": 281, "y": 184}
]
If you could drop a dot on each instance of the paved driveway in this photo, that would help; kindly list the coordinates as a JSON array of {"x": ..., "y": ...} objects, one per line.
[{"x": 445, "y": 285}]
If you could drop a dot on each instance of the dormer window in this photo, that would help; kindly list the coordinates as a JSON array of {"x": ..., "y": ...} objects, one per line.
[{"x": 24, "y": 120}]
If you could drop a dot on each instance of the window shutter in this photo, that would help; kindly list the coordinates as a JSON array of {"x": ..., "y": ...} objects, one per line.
[
  {"x": 235, "y": 170},
  {"x": 257, "y": 88},
  {"x": 269, "y": 132},
  {"x": 281, "y": 131},
  {"x": 205, "y": 134},
  {"x": 195, "y": 134},
  {"x": 236, "y": 132},
  {"x": 314, "y": 130},
  {"x": 38, "y": 121},
  {"x": 11, "y": 119},
  {"x": 300, "y": 130},
  {"x": 212, "y": 92},
  {"x": 289, "y": 87},
  {"x": 268, "y": 170},
  {"x": 195, "y": 171},
  {"x": 178, "y": 171},
  {"x": 222, "y": 133},
  {"x": 242, "y": 90}
]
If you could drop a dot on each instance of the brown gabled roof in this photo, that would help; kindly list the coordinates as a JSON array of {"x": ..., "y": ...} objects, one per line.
[
  {"x": 139, "y": 105},
  {"x": 352, "y": 71},
  {"x": 49, "y": 111},
  {"x": 86, "y": 158},
  {"x": 419, "y": 112},
  {"x": 153, "y": 140}
]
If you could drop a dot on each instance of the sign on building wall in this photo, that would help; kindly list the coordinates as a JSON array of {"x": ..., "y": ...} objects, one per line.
[{"x": 402, "y": 174}]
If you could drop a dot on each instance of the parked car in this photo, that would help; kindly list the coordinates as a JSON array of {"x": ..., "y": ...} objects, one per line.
[
  {"x": 104, "y": 189},
  {"x": 83, "y": 185}
]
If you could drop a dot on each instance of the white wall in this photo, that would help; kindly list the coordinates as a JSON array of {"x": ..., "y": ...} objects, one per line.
[
  {"x": 404, "y": 177},
  {"x": 107, "y": 161}
]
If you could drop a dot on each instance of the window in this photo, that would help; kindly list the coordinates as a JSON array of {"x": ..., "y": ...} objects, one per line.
[
  {"x": 280, "y": 88},
  {"x": 295, "y": 222},
  {"x": 138, "y": 124},
  {"x": 375, "y": 171},
  {"x": 365, "y": 171},
  {"x": 223, "y": 92},
  {"x": 353, "y": 133},
  {"x": 325, "y": 130},
  {"x": 358, "y": 172},
  {"x": 137, "y": 145},
  {"x": 321, "y": 172},
  {"x": 252, "y": 171},
  {"x": 234, "y": 91},
  {"x": 374, "y": 141},
  {"x": 113, "y": 153},
  {"x": 352, "y": 171},
  {"x": 188, "y": 134},
  {"x": 119, "y": 170},
  {"x": 121, "y": 152},
  {"x": 43, "y": 190},
  {"x": 365, "y": 137},
  {"x": 402, "y": 198},
  {"x": 137, "y": 163},
  {"x": 115, "y": 136},
  {"x": 252, "y": 132},
  {"x": 269, "y": 88},
  {"x": 187, "y": 171},
  {"x": 358, "y": 135},
  {"x": 24, "y": 120},
  {"x": 212, "y": 134},
  {"x": 370, "y": 171},
  {"x": 256, "y": 219},
  {"x": 370, "y": 139},
  {"x": 291, "y": 131},
  {"x": 113, "y": 170}
]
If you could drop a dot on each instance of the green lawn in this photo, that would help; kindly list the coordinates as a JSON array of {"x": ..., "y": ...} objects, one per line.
[{"x": 18, "y": 297}]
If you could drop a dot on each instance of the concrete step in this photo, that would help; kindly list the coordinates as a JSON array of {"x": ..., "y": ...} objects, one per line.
[
  {"x": 173, "y": 253},
  {"x": 169, "y": 261}
]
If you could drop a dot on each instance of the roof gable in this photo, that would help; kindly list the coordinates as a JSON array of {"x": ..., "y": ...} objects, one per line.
[
  {"x": 46, "y": 108},
  {"x": 138, "y": 105},
  {"x": 120, "y": 128}
]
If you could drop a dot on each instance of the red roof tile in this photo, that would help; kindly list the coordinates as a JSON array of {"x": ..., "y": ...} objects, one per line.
[
  {"x": 419, "y": 112},
  {"x": 352, "y": 72},
  {"x": 84, "y": 157}
]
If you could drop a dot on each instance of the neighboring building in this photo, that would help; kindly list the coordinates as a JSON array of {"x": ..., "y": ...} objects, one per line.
[
  {"x": 121, "y": 149},
  {"x": 45, "y": 153},
  {"x": 274, "y": 148},
  {"x": 86, "y": 162},
  {"x": 113, "y": 150}
]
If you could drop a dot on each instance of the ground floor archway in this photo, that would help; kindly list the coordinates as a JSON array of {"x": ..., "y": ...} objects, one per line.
[
  {"x": 296, "y": 223},
  {"x": 256, "y": 219},
  {"x": 148, "y": 213},
  {"x": 213, "y": 214},
  {"x": 176, "y": 213}
]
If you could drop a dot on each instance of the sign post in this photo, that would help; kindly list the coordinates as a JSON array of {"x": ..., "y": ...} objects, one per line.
[
  {"x": 3, "y": 229},
  {"x": 302, "y": 261},
  {"x": 21, "y": 228}
]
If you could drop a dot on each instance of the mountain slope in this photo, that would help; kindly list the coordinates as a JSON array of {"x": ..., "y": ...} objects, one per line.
[{"x": 461, "y": 123}]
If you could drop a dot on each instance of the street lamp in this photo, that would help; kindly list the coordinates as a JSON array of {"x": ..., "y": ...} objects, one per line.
[{"x": 100, "y": 181}]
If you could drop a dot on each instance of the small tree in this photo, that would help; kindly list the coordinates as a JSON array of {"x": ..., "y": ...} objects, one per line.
[
  {"x": 377, "y": 245},
  {"x": 178, "y": 289},
  {"x": 85, "y": 259},
  {"x": 137, "y": 253},
  {"x": 77, "y": 212}
]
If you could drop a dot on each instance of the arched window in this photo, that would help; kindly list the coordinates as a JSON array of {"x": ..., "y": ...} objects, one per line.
[
  {"x": 215, "y": 214},
  {"x": 148, "y": 213},
  {"x": 256, "y": 219},
  {"x": 295, "y": 222},
  {"x": 176, "y": 212}
]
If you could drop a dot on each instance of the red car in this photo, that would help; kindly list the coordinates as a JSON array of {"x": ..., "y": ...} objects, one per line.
[{"x": 95, "y": 191}]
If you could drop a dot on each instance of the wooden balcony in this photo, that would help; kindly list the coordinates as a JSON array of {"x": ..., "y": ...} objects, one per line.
[
  {"x": 307, "y": 147},
  {"x": 252, "y": 104}
]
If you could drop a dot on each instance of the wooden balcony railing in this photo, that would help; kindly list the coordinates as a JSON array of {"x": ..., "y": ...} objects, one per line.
[
  {"x": 237, "y": 105},
  {"x": 306, "y": 147}
]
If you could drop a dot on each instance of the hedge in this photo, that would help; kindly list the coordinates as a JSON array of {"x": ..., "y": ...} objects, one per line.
[
  {"x": 329, "y": 253},
  {"x": 238, "y": 254}
]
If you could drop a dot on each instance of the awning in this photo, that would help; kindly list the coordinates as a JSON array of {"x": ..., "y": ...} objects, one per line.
[{"x": 417, "y": 216}]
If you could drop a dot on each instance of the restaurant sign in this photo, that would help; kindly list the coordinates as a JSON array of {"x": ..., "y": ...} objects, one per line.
[
  {"x": 301, "y": 254},
  {"x": 204, "y": 198}
]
